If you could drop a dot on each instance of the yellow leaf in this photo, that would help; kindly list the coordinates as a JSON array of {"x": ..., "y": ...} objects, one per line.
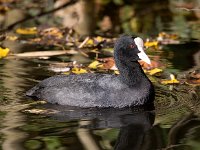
[
  {"x": 78, "y": 70},
  {"x": 162, "y": 34},
  {"x": 67, "y": 73},
  {"x": 168, "y": 36},
  {"x": 99, "y": 39},
  {"x": 170, "y": 81},
  {"x": 4, "y": 52},
  {"x": 116, "y": 71},
  {"x": 173, "y": 80},
  {"x": 52, "y": 32},
  {"x": 32, "y": 30},
  {"x": 154, "y": 71},
  {"x": 90, "y": 42},
  {"x": 151, "y": 44},
  {"x": 94, "y": 41},
  {"x": 95, "y": 64},
  {"x": 12, "y": 38},
  {"x": 145, "y": 71}
]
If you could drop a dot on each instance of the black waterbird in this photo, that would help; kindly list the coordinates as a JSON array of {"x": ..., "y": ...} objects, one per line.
[{"x": 130, "y": 88}]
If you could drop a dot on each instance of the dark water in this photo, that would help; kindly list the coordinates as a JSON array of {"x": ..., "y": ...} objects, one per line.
[{"x": 26, "y": 124}]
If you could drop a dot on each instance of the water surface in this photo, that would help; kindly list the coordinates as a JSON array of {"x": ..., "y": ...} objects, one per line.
[{"x": 174, "y": 124}]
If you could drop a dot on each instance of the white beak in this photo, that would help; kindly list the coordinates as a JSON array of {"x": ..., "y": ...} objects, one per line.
[{"x": 142, "y": 55}]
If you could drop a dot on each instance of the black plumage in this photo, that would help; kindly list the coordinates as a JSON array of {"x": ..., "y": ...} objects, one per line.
[{"x": 130, "y": 88}]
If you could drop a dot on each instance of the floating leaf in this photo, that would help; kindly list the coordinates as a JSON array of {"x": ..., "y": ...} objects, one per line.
[
  {"x": 168, "y": 36},
  {"x": 78, "y": 70},
  {"x": 155, "y": 63},
  {"x": 12, "y": 38},
  {"x": 195, "y": 74},
  {"x": 99, "y": 39},
  {"x": 108, "y": 63},
  {"x": 53, "y": 31},
  {"x": 193, "y": 82},
  {"x": 116, "y": 71},
  {"x": 67, "y": 73},
  {"x": 36, "y": 40},
  {"x": 95, "y": 40},
  {"x": 151, "y": 44},
  {"x": 154, "y": 71},
  {"x": 165, "y": 38},
  {"x": 173, "y": 80},
  {"x": 4, "y": 52},
  {"x": 27, "y": 31},
  {"x": 90, "y": 42},
  {"x": 193, "y": 78},
  {"x": 95, "y": 64}
]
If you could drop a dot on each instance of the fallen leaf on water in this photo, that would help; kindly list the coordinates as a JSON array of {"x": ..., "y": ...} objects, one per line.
[
  {"x": 193, "y": 77},
  {"x": 99, "y": 39},
  {"x": 172, "y": 80},
  {"x": 95, "y": 64},
  {"x": 108, "y": 63},
  {"x": 151, "y": 44},
  {"x": 116, "y": 71},
  {"x": 36, "y": 40},
  {"x": 53, "y": 31},
  {"x": 154, "y": 64},
  {"x": 154, "y": 71},
  {"x": 195, "y": 74},
  {"x": 78, "y": 70},
  {"x": 90, "y": 42},
  {"x": 27, "y": 31},
  {"x": 11, "y": 38},
  {"x": 193, "y": 82},
  {"x": 166, "y": 38},
  {"x": 95, "y": 41},
  {"x": 4, "y": 52}
]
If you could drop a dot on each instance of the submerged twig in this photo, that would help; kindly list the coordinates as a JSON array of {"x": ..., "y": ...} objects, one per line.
[
  {"x": 44, "y": 53},
  {"x": 188, "y": 9}
]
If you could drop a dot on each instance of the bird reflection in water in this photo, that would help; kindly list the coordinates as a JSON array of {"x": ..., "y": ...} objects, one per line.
[{"x": 133, "y": 124}]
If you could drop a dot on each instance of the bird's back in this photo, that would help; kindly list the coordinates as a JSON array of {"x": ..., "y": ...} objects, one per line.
[{"x": 87, "y": 90}]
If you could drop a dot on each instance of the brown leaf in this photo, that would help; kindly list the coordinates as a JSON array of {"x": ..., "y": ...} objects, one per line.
[{"x": 108, "y": 63}]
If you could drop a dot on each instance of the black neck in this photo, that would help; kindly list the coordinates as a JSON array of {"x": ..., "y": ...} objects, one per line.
[{"x": 130, "y": 72}]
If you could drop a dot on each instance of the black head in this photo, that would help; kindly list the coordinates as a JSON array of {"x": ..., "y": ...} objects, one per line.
[{"x": 130, "y": 49}]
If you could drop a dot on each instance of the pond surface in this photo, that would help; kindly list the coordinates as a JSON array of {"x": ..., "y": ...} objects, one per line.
[
  {"x": 35, "y": 125},
  {"x": 27, "y": 124}
]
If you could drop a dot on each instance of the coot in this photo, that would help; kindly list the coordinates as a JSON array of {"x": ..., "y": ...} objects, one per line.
[{"x": 130, "y": 88}]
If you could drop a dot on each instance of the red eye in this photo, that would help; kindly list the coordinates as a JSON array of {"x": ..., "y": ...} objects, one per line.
[{"x": 132, "y": 46}]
